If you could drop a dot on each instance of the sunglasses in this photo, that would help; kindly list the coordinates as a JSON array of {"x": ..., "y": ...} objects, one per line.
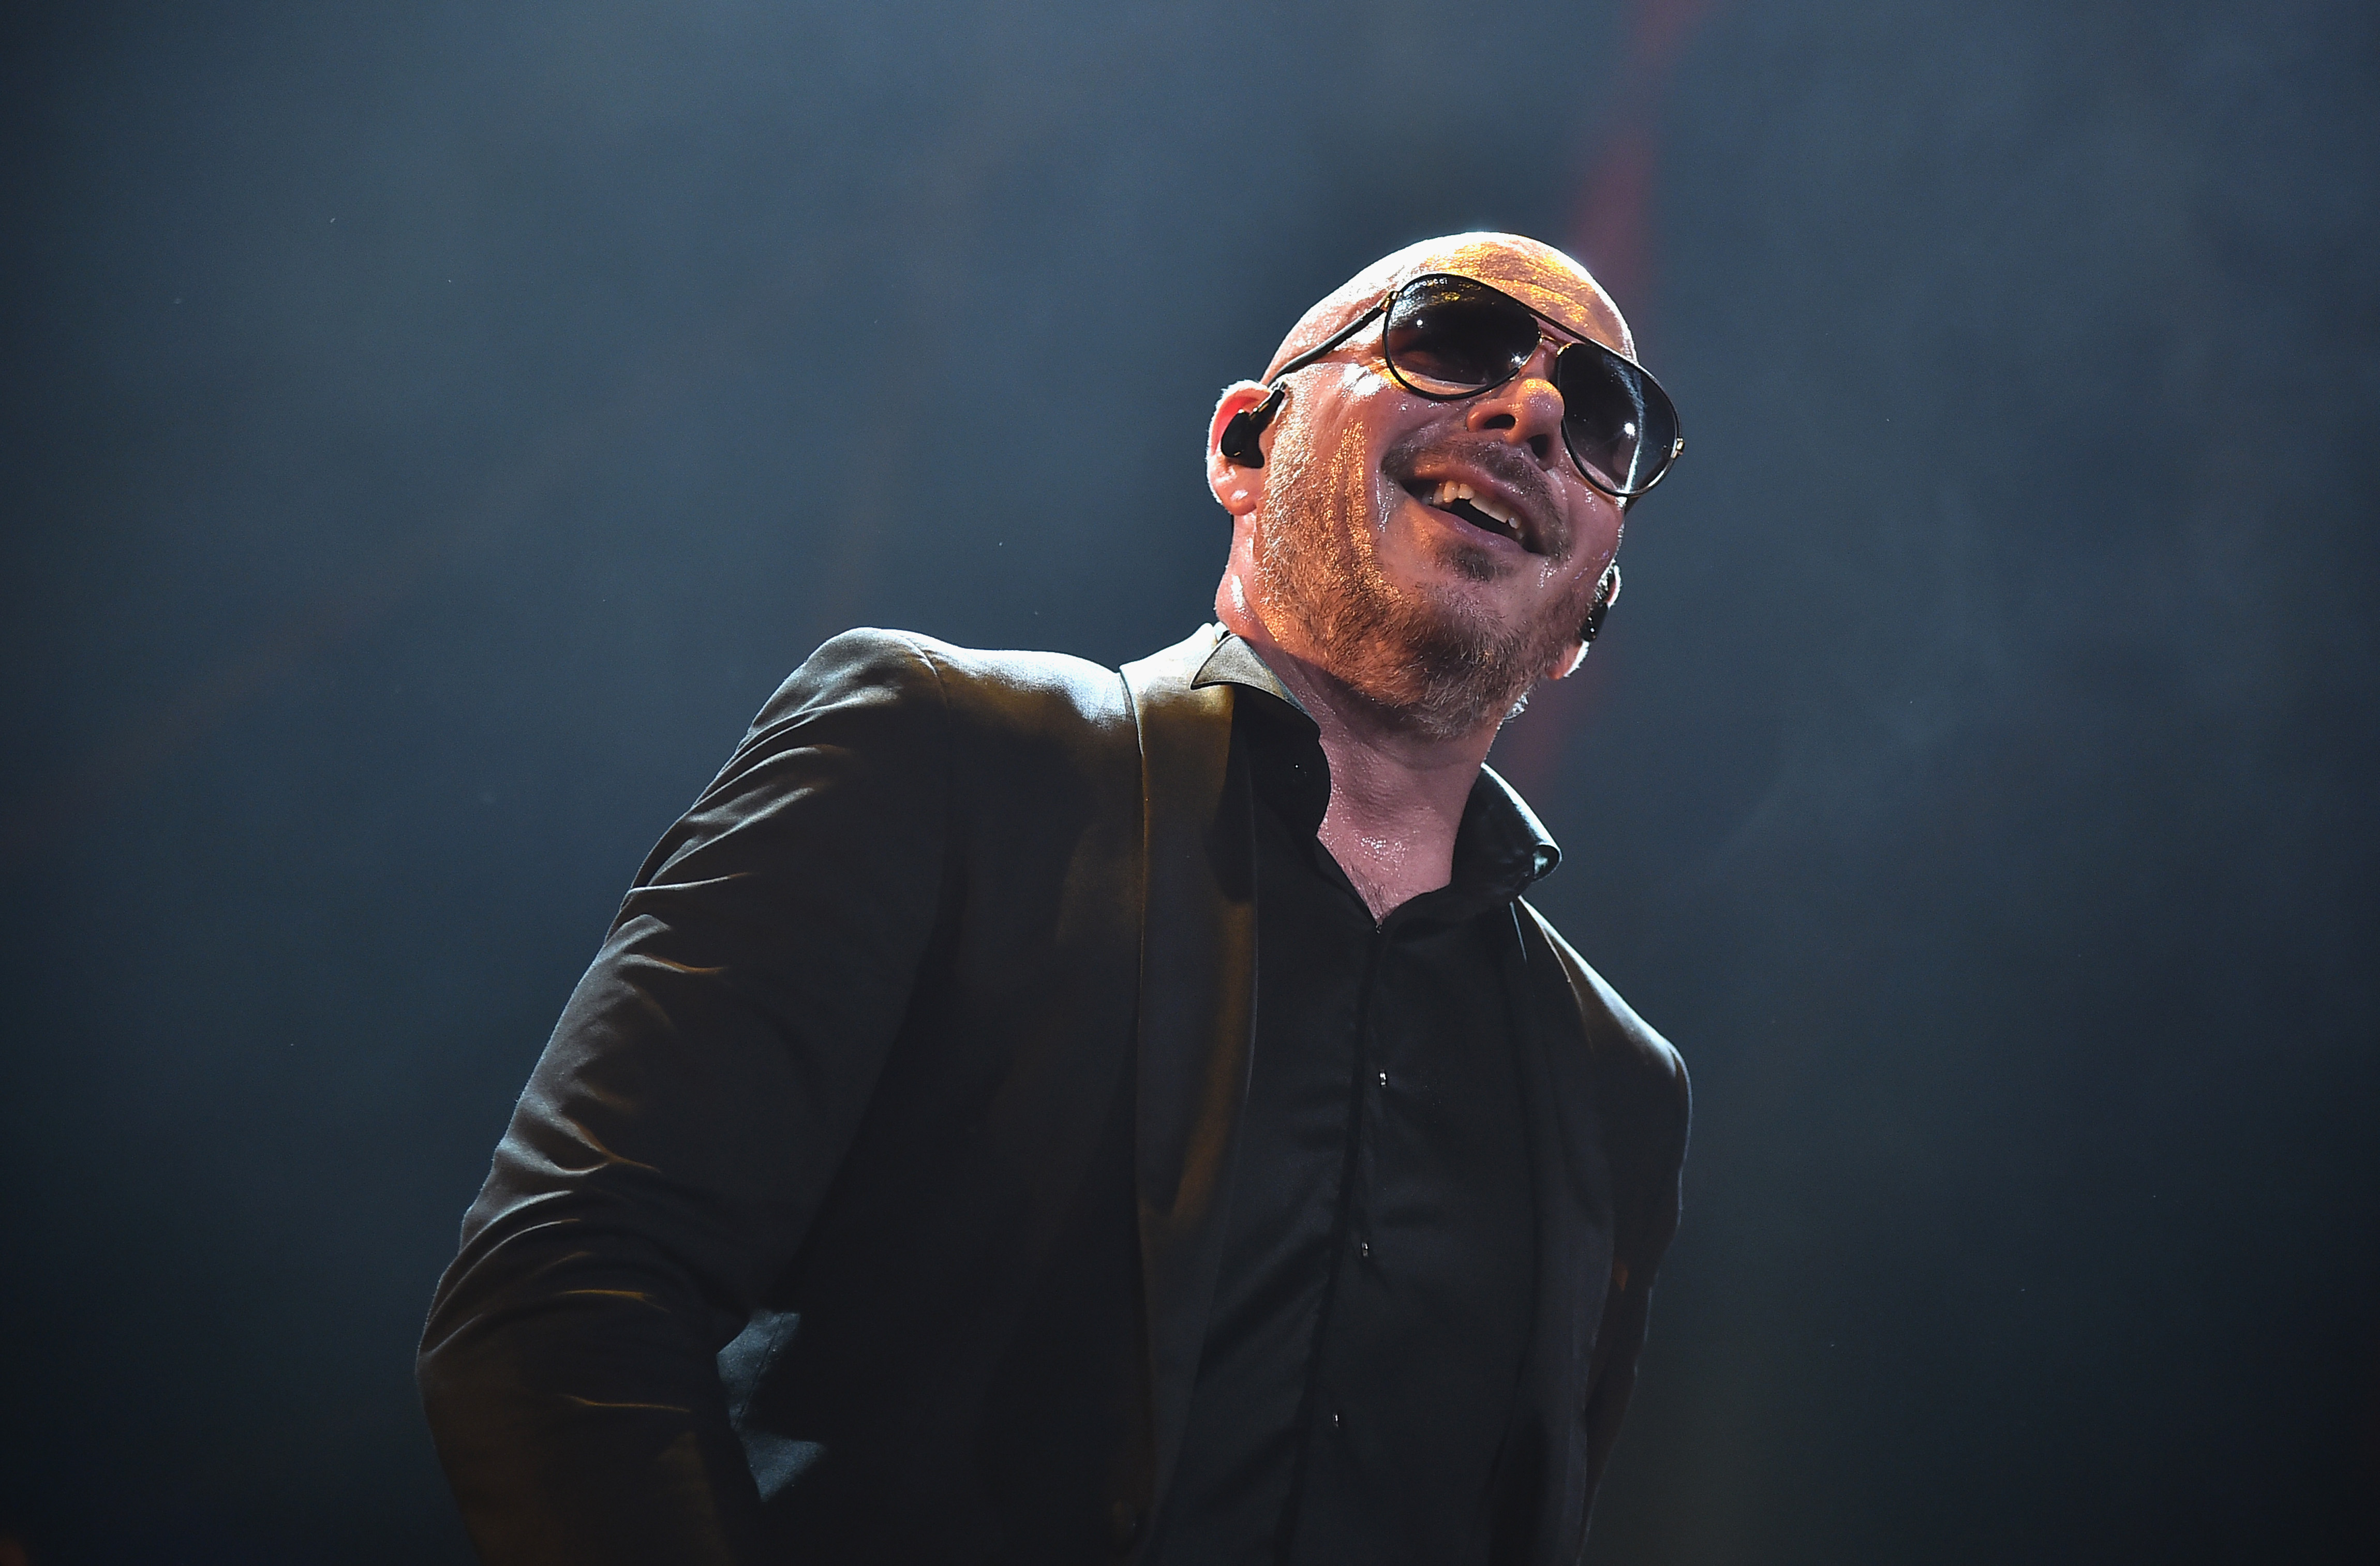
[{"x": 1447, "y": 338}]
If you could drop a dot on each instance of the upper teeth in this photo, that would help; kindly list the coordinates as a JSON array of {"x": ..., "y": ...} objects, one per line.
[{"x": 1451, "y": 490}]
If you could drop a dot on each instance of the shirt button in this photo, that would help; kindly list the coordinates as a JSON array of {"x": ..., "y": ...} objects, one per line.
[
  {"x": 1384, "y": 1079},
  {"x": 1334, "y": 1419},
  {"x": 1363, "y": 1248}
]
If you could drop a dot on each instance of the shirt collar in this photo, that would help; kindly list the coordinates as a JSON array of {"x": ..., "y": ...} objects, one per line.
[
  {"x": 1501, "y": 842},
  {"x": 1506, "y": 831},
  {"x": 1234, "y": 662}
]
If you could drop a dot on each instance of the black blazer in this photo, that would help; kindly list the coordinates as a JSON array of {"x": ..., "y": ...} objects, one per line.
[{"x": 867, "y": 1202}]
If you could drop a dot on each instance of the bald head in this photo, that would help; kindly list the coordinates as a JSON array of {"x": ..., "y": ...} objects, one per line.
[{"x": 1535, "y": 272}]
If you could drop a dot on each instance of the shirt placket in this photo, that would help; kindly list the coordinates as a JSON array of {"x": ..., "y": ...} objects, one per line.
[{"x": 1351, "y": 1251}]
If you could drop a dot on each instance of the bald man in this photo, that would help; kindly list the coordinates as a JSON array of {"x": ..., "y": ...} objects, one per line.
[{"x": 1032, "y": 1113}]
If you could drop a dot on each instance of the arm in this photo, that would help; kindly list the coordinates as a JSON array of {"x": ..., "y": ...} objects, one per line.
[
  {"x": 1643, "y": 1231},
  {"x": 673, "y": 1146},
  {"x": 1641, "y": 1106}
]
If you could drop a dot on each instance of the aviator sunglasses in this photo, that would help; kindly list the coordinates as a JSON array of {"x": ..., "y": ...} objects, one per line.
[{"x": 1447, "y": 338}]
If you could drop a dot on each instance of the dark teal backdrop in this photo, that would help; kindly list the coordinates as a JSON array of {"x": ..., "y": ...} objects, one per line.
[{"x": 431, "y": 429}]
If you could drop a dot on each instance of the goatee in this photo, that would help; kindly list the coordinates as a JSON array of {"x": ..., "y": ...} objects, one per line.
[{"x": 1428, "y": 658}]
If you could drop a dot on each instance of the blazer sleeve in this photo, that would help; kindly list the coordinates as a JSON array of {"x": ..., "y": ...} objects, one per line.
[
  {"x": 1648, "y": 1138},
  {"x": 675, "y": 1139},
  {"x": 1642, "y": 1106}
]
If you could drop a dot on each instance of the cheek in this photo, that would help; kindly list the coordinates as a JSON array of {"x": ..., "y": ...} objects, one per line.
[
  {"x": 1332, "y": 458},
  {"x": 1597, "y": 524},
  {"x": 1361, "y": 405},
  {"x": 1379, "y": 419},
  {"x": 1355, "y": 482}
]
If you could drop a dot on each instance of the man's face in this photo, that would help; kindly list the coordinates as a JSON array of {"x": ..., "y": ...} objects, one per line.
[{"x": 1438, "y": 557}]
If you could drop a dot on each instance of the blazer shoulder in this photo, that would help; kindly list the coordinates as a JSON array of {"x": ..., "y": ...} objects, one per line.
[
  {"x": 919, "y": 696},
  {"x": 976, "y": 686},
  {"x": 1622, "y": 1041},
  {"x": 862, "y": 666}
]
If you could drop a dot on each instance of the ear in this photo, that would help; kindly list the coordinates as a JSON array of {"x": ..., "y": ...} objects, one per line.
[{"x": 1237, "y": 489}]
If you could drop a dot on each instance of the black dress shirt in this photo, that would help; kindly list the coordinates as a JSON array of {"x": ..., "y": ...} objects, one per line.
[{"x": 1373, "y": 1307}]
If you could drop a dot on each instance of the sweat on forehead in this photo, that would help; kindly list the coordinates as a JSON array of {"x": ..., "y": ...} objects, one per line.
[{"x": 1529, "y": 269}]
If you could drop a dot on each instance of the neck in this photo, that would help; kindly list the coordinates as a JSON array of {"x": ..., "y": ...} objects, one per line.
[{"x": 1396, "y": 796}]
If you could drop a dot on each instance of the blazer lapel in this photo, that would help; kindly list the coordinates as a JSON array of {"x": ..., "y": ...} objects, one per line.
[{"x": 1198, "y": 1009}]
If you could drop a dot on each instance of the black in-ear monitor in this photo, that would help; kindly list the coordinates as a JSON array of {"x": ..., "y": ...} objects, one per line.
[
  {"x": 1238, "y": 443},
  {"x": 1604, "y": 591}
]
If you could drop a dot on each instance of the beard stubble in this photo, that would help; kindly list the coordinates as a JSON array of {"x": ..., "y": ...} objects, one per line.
[{"x": 1428, "y": 658}]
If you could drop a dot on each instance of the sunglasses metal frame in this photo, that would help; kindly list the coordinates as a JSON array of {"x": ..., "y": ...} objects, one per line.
[{"x": 1380, "y": 309}]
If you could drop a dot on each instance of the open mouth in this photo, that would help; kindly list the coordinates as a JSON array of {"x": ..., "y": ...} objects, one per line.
[{"x": 1459, "y": 499}]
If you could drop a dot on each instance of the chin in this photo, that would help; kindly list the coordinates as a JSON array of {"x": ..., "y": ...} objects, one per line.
[
  {"x": 1477, "y": 564},
  {"x": 1442, "y": 636}
]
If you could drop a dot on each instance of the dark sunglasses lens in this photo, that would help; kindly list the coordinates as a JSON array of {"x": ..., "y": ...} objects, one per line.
[
  {"x": 1448, "y": 336},
  {"x": 1620, "y": 425}
]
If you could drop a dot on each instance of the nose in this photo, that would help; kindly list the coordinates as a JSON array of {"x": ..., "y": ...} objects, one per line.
[{"x": 1526, "y": 410}]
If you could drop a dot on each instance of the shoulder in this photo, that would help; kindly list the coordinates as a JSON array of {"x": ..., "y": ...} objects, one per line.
[
  {"x": 1000, "y": 731},
  {"x": 879, "y": 729},
  {"x": 1626, "y": 1047},
  {"x": 905, "y": 667}
]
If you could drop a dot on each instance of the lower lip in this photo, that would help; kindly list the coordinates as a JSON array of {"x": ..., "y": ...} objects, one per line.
[{"x": 1467, "y": 529}]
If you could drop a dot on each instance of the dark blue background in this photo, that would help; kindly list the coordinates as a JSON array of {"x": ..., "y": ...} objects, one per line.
[{"x": 431, "y": 429}]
